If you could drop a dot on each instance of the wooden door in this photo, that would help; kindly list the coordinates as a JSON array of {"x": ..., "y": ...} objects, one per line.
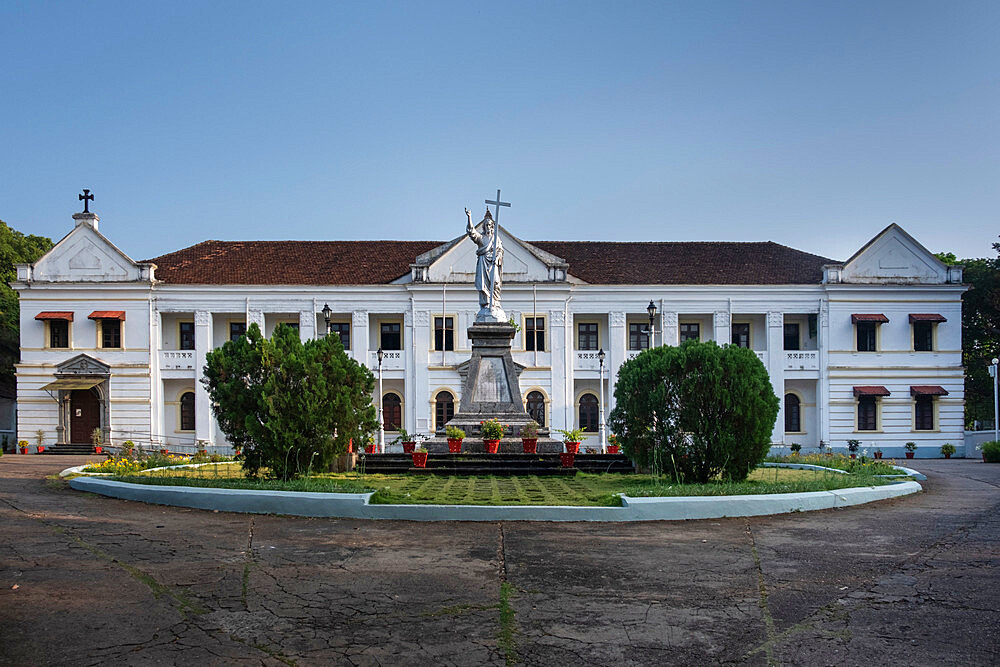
[{"x": 84, "y": 415}]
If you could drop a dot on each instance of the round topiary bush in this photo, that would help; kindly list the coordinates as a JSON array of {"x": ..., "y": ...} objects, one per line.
[
  {"x": 991, "y": 451},
  {"x": 696, "y": 411}
]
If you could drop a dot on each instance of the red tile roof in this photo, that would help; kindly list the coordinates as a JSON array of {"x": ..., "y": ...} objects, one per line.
[
  {"x": 55, "y": 315},
  {"x": 868, "y": 317},
  {"x": 871, "y": 390},
  {"x": 597, "y": 262},
  {"x": 107, "y": 315},
  {"x": 928, "y": 390},
  {"x": 927, "y": 317}
]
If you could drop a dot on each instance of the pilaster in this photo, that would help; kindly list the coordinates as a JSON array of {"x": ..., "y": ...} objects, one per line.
[
  {"x": 307, "y": 325},
  {"x": 823, "y": 383},
  {"x": 204, "y": 421},
  {"x": 421, "y": 405},
  {"x": 562, "y": 370},
  {"x": 617, "y": 355},
  {"x": 669, "y": 331},
  {"x": 776, "y": 368},
  {"x": 359, "y": 336},
  {"x": 722, "y": 334}
]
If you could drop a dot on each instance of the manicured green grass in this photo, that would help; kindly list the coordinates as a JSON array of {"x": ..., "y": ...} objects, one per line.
[
  {"x": 862, "y": 465},
  {"x": 599, "y": 490}
]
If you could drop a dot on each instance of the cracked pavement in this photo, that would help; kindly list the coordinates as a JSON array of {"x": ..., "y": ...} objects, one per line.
[{"x": 87, "y": 580}]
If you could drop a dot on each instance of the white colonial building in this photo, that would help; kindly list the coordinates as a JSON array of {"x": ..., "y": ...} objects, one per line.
[{"x": 866, "y": 349}]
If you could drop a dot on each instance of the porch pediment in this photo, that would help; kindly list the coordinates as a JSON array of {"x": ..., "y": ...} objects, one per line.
[
  {"x": 894, "y": 257},
  {"x": 82, "y": 365},
  {"x": 86, "y": 255}
]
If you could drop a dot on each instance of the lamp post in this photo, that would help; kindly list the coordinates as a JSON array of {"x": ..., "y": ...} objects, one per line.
[
  {"x": 996, "y": 404},
  {"x": 381, "y": 421},
  {"x": 651, "y": 309},
  {"x": 326, "y": 316},
  {"x": 604, "y": 440}
]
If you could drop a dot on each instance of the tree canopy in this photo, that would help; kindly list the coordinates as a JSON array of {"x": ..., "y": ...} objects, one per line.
[
  {"x": 290, "y": 406},
  {"x": 696, "y": 411},
  {"x": 15, "y": 248}
]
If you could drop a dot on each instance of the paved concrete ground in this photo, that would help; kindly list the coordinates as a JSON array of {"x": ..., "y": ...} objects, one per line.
[{"x": 87, "y": 580}]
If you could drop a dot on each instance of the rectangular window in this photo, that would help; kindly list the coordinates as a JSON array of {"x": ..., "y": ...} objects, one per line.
[
  {"x": 111, "y": 333},
  {"x": 237, "y": 329},
  {"x": 923, "y": 413},
  {"x": 638, "y": 336},
  {"x": 741, "y": 334},
  {"x": 867, "y": 413},
  {"x": 534, "y": 334},
  {"x": 186, "y": 341},
  {"x": 923, "y": 336},
  {"x": 792, "y": 336},
  {"x": 866, "y": 336},
  {"x": 390, "y": 336},
  {"x": 58, "y": 333},
  {"x": 690, "y": 331},
  {"x": 587, "y": 332},
  {"x": 444, "y": 333},
  {"x": 342, "y": 329}
]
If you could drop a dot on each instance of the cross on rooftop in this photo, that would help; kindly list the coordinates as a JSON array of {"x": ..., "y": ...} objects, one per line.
[
  {"x": 497, "y": 204},
  {"x": 86, "y": 198}
]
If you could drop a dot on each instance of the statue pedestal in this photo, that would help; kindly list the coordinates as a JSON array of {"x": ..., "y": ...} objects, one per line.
[{"x": 491, "y": 390}]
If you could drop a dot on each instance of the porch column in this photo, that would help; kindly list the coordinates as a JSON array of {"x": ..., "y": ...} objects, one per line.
[
  {"x": 776, "y": 368},
  {"x": 359, "y": 336},
  {"x": 416, "y": 365},
  {"x": 823, "y": 383},
  {"x": 204, "y": 422},
  {"x": 307, "y": 325},
  {"x": 617, "y": 346},
  {"x": 723, "y": 328},
  {"x": 669, "y": 332},
  {"x": 562, "y": 371}
]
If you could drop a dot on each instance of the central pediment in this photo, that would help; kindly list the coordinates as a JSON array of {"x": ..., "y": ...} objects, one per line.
[{"x": 455, "y": 262}]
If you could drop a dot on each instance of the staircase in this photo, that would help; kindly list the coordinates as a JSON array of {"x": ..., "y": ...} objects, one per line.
[
  {"x": 66, "y": 448},
  {"x": 495, "y": 464}
]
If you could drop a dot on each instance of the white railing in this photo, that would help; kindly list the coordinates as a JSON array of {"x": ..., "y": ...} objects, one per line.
[
  {"x": 632, "y": 354},
  {"x": 587, "y": 361},
  {"x": 801, "y": 360},
  {"x": 177, "y": 360},
  {"x": 392, "y": 360}
]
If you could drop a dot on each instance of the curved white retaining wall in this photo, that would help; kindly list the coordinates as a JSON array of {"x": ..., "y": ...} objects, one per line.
[{"x": 356, "y": 505}]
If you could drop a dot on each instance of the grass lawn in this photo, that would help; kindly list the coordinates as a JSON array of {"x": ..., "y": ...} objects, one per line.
[{"x": 582, "y": 489}]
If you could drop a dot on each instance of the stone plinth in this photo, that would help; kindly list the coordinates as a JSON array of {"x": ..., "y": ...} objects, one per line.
[{"x": 491, "y": 389}]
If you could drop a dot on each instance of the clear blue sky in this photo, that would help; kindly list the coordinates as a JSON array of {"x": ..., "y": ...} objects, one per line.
[{"x": 813, "y": 124}]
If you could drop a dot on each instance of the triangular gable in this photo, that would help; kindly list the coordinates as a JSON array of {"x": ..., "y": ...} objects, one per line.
[
  {"x": 82, "y": 364},
  {"x": 894, "y": 257},
  {"x": 86, "y": 255},
  {"x": 455, "y": 262}
]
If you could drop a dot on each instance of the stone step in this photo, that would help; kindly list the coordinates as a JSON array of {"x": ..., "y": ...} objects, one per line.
[
  {"x": 66, "y": 449},
  {"x": 498, "y": 471}
]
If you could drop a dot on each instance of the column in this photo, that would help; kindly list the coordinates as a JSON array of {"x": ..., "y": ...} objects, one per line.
[
  {"x": 823, "y": 383},
  {"x": 562, "y": 372},
  {"x": 156, "y": 416},
  {"x": 723, "y": 329},
  {"x": 204, "y": 422},
  {"x": 776, "y": 368},
  {"x": 421, "y": 405},
  {"x": 359, "y": 336},
  {"x": 307, "y": 325},
  {"x": 670, "y": 333},
  {"x": 409, "y": 374},
  {"x": 617, "y": 355},
  {"x": 256, "y": 316}
]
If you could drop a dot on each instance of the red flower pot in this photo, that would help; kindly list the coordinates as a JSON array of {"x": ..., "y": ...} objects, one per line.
[
  {"x": 369, "y": 449},
  {"x": 567, "y": 458},
  {"x": 947, "y": 456},
  {"x": 164, "y": 452},
  {"x": 491, "y": 446},
  {"x": 24, "y": 450},
  {"x": 408, "y": 447},
  {"x": 530, "y": 445},
  {"x": 454, "y": 445},
  {"x": 41, "y": 449},
  {"x": 572, "y": 447},
  {"x": 909, "y": 455},
  {"x": 97, "y": 450},
  {"x": 419, "y": 459},
  {"x": 612, "y": 449},
  {"x": 878, "y": 455}
]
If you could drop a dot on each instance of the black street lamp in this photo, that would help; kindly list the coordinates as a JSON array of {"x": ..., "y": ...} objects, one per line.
[
  {"x": 651, "y": 309},
  {"x": 604, "y": 442},
  {"x": 326, "y": 316},
  {"x": 381, "y": 421}
]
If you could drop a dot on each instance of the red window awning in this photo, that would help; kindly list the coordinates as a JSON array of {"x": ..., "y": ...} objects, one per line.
[
  {"x": 55, "y": 315},
  {"x": 871, "y": 390},
  {"x": 927, "y": 317},
  {"x": 868, "y": 317},
  {"x": 107, "y": 315},
  {"x": 928, "y": 390}
]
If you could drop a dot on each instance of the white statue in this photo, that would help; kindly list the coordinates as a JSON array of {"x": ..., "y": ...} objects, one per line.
[{"x": 489, "y": 268}]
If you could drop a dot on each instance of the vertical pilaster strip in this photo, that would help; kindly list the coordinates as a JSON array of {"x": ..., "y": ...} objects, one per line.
[
  {"x": 561, "y": 375},
  {"x": 204, "y": 420},
  {"x": 776, "y": 368},
  {"x": 617, "y": 355}
]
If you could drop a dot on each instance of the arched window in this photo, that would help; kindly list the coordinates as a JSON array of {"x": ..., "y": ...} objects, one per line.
[
  {"x": 793, "y": 414},
  {"x": 444, "y": 408},
  {"x": 392, "y": 412},
  {"x": 588, "y": 413},
  {"x": 187, "y": 411},
  {"x": 535, "y": 407}
]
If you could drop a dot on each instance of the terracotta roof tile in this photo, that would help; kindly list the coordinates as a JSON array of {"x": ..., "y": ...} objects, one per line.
[{"x": 597, "y": 262}]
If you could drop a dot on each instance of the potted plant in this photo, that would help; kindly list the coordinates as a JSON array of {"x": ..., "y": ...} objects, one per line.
[
  {"x": 529, "y": 437},
  {"x": 419, "y": 457},
  {"x": 23, "y": 446},
  {"x": 97, "y": 439},
  {"x": 991, "y": 451},
  {"x": 572, "y": 439},
  {"x": 370, "y": 445},
  {"x": 408, "y": 440},
  {"x": 455, "y": 437},
  {"x": 947, "y": 449},
  {"x": 852, "y": 447},
  {"x": 878, "y": 453},
  {"x": 911, "y": 447},
  {"x": 567, "y": 458},
  {"x": 613, "y": 444},
  {"x": 40, "y": 440},
  {"x": 796, "y": 448},
  {"x": 492, "y": 431}
]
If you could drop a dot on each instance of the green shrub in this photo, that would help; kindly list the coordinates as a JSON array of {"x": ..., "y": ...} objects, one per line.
[
  {"x": 947, "y": 448},
  {"x": 454, "y": 433},
  {"x": 991, "y": 451},
  {"x": 696, "y": 411}
]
